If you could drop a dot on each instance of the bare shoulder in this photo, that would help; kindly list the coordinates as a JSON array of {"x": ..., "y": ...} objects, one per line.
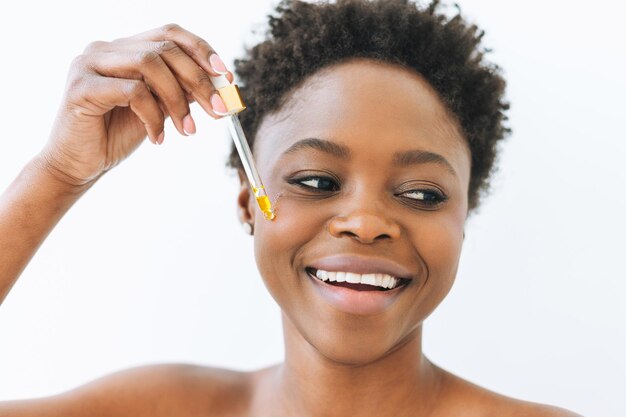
[
  {"x": 151, "y": 390},
  {"x": 477, "y": 401},
  {"x": 542, "y": 410},
  {"x": 172, "y": 389}
]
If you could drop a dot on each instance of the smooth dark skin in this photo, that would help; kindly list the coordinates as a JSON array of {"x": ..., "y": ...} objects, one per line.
[{"x": 336, "y": 364}]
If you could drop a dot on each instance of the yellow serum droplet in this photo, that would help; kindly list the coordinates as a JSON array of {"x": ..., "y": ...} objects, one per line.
[{"x": 266, "y": 207}]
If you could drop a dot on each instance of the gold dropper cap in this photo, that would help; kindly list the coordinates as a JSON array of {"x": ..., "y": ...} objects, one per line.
[{"x": 231, "y": 96}]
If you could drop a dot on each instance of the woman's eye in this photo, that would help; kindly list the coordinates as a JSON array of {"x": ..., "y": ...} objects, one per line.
[
  {"x": 425, "y": 197},
  {"x": 317, "y": 183}
]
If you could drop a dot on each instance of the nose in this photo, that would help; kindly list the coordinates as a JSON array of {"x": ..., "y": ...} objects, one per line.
[{"x": 365, "y": 227}]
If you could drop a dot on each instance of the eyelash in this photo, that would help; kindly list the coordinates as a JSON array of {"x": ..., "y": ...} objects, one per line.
[
  {"x": 431, "y": 197},
  {"x": 299, "y": 182}
]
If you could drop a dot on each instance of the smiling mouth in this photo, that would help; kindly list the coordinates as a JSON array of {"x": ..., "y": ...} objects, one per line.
[{"x": 358, "y": 282}]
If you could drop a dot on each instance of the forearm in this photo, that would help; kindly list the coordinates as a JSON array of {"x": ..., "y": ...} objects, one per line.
[{"x": 29, "y": 209}]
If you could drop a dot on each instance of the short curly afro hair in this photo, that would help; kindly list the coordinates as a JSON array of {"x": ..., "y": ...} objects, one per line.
[{"x": 305, "y": 37}]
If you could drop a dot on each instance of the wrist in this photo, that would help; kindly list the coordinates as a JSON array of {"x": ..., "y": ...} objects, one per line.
[{"x": 61, "y": 182}]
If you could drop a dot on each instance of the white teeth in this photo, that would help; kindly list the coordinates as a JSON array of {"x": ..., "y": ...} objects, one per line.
[
  {"x": 378, "y": 280},
  {"x": 353, "y": 278},
  {"x": 368, "y": 279},
  {"x": 323, "y": 275},
  {"x": 386, "y": 279}
]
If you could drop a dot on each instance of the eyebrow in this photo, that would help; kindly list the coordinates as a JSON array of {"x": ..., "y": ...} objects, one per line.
[
  {"x": 417, "y": 157},
  {"x": 404, "y": 158},
  {"x": 331, "y": 148}
]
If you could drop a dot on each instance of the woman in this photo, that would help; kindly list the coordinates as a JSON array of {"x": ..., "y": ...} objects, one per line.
[{"x": 375, "y": 124}]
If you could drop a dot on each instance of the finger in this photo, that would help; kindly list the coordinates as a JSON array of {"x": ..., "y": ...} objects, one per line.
[
  {"x": 196, "y": 47},
  {"x": 98, "y": 94},
  {"x": 190, "y": 98},
  {"x": 149, "y": 67},
  {"x": 193, "y": 79},
  {"x": 101, "y": 46}
]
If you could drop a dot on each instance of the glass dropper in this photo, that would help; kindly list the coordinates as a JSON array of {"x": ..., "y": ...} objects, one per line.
[{"x": 234, "y": 104}]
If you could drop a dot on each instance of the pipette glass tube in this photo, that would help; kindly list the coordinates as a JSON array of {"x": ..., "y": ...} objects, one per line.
[{"x": 234, "y": 103}]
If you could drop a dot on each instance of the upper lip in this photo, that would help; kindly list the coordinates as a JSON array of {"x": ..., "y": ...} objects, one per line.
[{"x": 362, "y": 265}]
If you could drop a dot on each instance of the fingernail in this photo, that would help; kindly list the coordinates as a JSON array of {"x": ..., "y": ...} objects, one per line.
[
  {"x": 218, "y": 105},
  {"x": 217, "y": 64},
  {"x": 160, "y": 138},
  {"x": 189, "y": 126}
]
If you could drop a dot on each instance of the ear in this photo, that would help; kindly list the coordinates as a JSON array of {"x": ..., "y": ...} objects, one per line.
[{"x": 245, "y": 202}]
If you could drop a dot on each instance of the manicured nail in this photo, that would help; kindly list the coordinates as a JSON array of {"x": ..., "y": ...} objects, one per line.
[
  {"x": 217, "y": 64},
  {"x": 189, "y": 126},
  {"x": 218, "y": 105},
  {"x": 160, "y": 137}
]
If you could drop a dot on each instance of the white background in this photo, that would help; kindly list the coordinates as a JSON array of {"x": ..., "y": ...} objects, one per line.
[{"x": 151, "y": 265}]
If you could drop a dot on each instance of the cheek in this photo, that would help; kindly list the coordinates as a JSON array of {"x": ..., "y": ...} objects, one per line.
[
  {"x": 298, "y": 220},
  {"x": 442, "y": 251},
  {"x": 279, "y": 243},
  {"x": 439, "y": 244}
]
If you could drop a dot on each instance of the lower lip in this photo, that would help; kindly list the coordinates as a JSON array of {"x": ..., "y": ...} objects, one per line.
[{"x": 356, "y": 302}]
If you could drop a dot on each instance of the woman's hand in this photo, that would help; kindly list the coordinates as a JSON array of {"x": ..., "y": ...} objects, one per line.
[{"x": 117, "y": 92}]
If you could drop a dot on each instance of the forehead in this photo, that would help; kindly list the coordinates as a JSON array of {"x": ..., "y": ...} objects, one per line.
[{"x": 373, "y": 108}]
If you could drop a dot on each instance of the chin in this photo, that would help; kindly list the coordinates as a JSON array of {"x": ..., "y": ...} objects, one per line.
[
  {"x": 352, "y": 358},
  {"x": 354, "y": 343}
]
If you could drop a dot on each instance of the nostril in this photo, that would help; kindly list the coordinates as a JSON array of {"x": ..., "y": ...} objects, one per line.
[
  {"x": 364, "y": 227},
  {"x": 351, "y": 234},
  {"x": 364, "y": 239}
]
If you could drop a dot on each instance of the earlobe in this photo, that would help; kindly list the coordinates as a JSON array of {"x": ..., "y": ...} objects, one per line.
[{"x": 244, "y": 200}]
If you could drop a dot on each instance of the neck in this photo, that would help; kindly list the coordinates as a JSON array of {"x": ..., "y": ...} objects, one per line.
[{"x": 400, "y": 382}]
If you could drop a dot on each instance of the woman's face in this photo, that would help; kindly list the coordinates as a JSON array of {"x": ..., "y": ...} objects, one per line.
[{"x": 372, "y": 176}]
